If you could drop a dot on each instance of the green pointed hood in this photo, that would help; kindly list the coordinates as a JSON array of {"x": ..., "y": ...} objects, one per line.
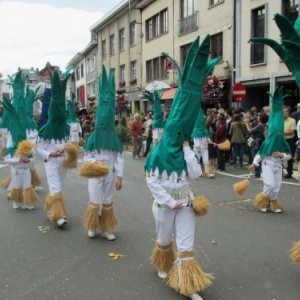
[
  {"x": 17, "y": 127},
  {"x": 200, "y": 129},
  {"x": 155, "y": 98},
  {"x": 104, "y": 136},
  {"x": 275, "y": 140},
  {"x": 168, "y": 155},
  {"x": 57, "y": 127},
  {"x": 71, "y": 112},
  {"x": 5, "y": 119}
]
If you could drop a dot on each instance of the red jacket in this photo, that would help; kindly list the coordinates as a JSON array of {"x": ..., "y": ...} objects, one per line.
[
  {"x": 136, "y": 129},
  {"x": 220, "y": 134}
]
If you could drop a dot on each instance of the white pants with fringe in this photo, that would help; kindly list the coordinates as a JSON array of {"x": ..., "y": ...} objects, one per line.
[
  {"x": 272, "y": 174},
  {"x": 20, "y": 178}
]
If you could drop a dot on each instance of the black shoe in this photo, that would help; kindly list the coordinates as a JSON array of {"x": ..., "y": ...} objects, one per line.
[{"x": 288, "y": 176}]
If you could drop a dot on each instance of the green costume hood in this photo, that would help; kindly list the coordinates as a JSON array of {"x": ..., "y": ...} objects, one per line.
[
  {"x": 289, "y": 48},
  {"x": 17, "y": 127},
  {"x": 29, "y": 100},
  {"x": 168, "y": 155},
  {"x": 155, "y": 98},
  {"x": 275, "y": 140},
  {"x": 71, "y": 112},
  {"x": 5, "y": 119},
  {"x": 104, "y": 136},
  {"x": 57, "y": 127},
  {"x": 200, "y": 129}
]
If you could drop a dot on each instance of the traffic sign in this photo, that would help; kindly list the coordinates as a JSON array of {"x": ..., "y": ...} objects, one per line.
[{"x": 239, "y": 92}]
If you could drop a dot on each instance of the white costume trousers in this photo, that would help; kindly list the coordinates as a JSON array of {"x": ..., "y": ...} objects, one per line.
[
  {"x": 183, "y": 221},
  {"x": 272, "y": 173},
  {"x": 56, "y": 174},
  {"x": 21, "y": 178}
]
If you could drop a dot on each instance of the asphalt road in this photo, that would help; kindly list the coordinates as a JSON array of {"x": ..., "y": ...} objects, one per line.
[{"x": 246, "y": 251}]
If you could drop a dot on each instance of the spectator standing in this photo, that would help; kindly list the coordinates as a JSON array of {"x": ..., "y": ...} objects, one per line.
[
  {"x": 289, "y": 134},
  {"x": 220, "y": 137},
  {"x": 148, "y": 133},
  {"x": 296, "y": 114},
  {"x": 85, "y": 129},
  {"x": 136, "y": 131},
  {"x": 252, "y": 122}
]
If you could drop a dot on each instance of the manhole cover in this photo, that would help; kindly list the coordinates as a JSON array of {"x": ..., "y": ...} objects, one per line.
[{"x": 244, "y": 205}]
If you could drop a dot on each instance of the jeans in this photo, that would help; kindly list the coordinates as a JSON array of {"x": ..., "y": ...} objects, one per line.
[
  {"x": 238, "y": 151},
  {"x": 137, "y": 146},
  {"x": 257, "y": 168}
]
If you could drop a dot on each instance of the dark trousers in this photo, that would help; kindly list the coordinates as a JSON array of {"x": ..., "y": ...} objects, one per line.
[
  {"x": 148, "y": 144},
  {"x": 290, "y": 162},
  {"x": 221, "y": 160},
  {"x": 257, "y": 168},
  {"x": 137, "y": 146},
  {"x": 238, "y": 151}
]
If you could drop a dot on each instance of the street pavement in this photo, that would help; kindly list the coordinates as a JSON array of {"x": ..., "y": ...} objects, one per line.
[{"x": 245, "y": 250}]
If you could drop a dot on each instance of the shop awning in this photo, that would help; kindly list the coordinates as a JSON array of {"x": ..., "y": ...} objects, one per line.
[{"x": 169, "y": 94}]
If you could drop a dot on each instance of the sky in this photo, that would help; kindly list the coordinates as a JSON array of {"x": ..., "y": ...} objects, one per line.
[{"x": 34, "y": 32}]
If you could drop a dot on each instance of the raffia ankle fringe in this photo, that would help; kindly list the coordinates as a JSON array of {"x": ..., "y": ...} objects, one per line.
[
  {"x": 5, "y": 183},
  {"x": 16, "y": 194},
  {"x": 186, "y": 275},
  {"x": 295, "y": 253},
  {"x": 35, "y": 178},
  {"x": 3, "y": 150},
  {"x": 91, "y": 217},
  {"x": 163, "y": 257},
  {"x": 55, "y": 203},
  {"x": 107, "y": 219},
  {"x": 30, "y": 196},
  {"x": 262, "y": 201},
  {"x": 276, "y": 205}
]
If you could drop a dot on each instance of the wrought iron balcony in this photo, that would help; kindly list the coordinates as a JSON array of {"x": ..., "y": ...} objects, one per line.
[{"x": 188, "y": 24}]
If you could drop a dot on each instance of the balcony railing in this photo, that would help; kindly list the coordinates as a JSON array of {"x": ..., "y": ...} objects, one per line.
[
  {"x": 188, "y": 24},
  {"x": 257, "y": 53}
]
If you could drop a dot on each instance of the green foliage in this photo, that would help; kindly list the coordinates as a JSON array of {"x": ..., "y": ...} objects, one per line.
[{"x": 123, "y": 133}]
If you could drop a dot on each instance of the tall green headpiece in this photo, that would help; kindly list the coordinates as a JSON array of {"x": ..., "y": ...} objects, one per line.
[
  {"x": 167, "y": 155},
  {"x": 72, "y": 118},
  {"x": 57, "y": 127},
  {"x": 29, "y": 100},
  {"x": 155, "y": 98},
  {"x": 275, "y": 140},
  {"x": 5, "y": 119},
  {"x": 200, "y": 129},
  {"x": 104, "y": 136}
]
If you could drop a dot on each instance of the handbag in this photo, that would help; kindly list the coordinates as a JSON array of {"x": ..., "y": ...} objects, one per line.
[
  {"x": 224, "y": 146},
  {"x": 250, "y": 141}
]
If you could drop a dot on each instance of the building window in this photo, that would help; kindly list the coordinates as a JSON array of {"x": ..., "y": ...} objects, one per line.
[
  {"x": 183, "y": 53},
  {"x": 92, "y": 63},
  {"x": 92, "y": 88},
  {"x": 82, "y": 71},
  {"x": 122, "y": 74},
  {"x": 188, "y": 17},
  {"x": 133, "y": 71},
  {"x": 103, "y": 48},
  {"x": 157, "y": 25},
  {"x": 155, "y": 69},
  {"x": 122, "y": 39},
  {"x": 132, "y": 33},
  {"x": 77, "y": 73},
  {"x": 258, "y": 29},
  {"x": 213, "y": 2},
  {"x": 216, "y": 45},
  {"x": 112, "y": 44},
  {"x": 290, "y": 9}
]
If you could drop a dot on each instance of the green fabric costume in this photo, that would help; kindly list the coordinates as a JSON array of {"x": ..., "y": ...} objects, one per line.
[
  {"x": 29, "y": 99},
  {"x": 71, "y": 112},
  {"x": 200, "y": 130},
  {"x": 104, "y": 136},
  {"x": 57, "y": 127},
  {"x": 168, "y": 155},
  {"x": 275, "y": 140},
  {"x": 5, "y": 119}
]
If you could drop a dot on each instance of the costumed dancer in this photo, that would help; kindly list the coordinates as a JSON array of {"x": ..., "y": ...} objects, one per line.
[
  {"x": 52, "y": 144},
  {"x": 4, "y": 131},
  {"x": 44, "y": 89},
  {"x": 20, "y": 155},
  {"x": 73, "y": 121},
  {"x": 272, "y": 152},
  {"x": 201, "y": 140},
  {"x": 158, "y": 123},
  {"x": 32, "y": 133},
  {"x": 104, "y": 163},
  {"x": 169, "y": 168}
]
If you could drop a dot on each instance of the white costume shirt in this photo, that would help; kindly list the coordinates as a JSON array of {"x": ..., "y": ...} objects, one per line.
[{"x": 75, "y": 129}]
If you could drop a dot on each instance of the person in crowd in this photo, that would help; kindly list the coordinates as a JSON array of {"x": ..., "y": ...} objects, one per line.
[
  {"x": 148, "y": 133},
  {"x": 103, "y": 148},
  {"x": 228, "y": 118},
  {"x": 220, "y": 137},
  {"x": 237, "y": 133},
  {"x": 52, "y": 144},
  {"x": 85, "y": 129},
  {"x": 72, "y": 120},
  {"x": 289, "y": 134},
  {"x": 272, "y": 152},
  {"x": 136, "y": 131},
  {"x": 257, "y": 134},
  {"x": 123, "y": 121},
  {"x": 252, "y": 122},
  {"x": 296, "y": 114},
  {"x": 208, "y": 112},
  {"x": 169, "y": 168},
  {"x": 212, "y": 150}
]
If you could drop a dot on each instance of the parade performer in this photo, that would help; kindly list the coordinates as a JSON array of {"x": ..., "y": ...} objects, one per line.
[
  {"x": 52, "y": 144},
  {"x": 201, "y": 140},
  {"x": 44, "y": 89},
  {"x": 272, "y": 152},
  {"x": 73, "y": 121},
  {"x": 158, "y": 124},
  {"x": 169, "y": 168},
  {"x": 104, "y": 162},
  {"x": 4, "y": 130},
  {"x": 19, "y": 155}
]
